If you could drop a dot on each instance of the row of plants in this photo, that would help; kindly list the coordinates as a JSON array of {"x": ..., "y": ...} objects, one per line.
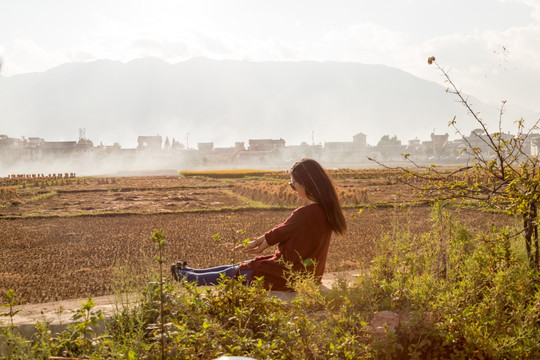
[
  {"x": 390, "y": 175},
  {"x": 233, "y": 174},
  {"x": 280, "y": 194},
  {"x": 459, "y": 295},
  {"x": 33, "y": 179}
]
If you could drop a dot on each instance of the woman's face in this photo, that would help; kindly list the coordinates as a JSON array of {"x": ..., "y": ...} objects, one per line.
[{"x": 299, "y": 189}]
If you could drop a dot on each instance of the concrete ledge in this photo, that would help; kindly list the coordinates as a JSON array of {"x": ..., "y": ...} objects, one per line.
[
  {"x": 57, "y": 312},
  {"x": 58, "y": 315}
]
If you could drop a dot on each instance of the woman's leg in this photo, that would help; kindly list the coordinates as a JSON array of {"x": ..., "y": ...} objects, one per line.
[
  {"x": 203, "y": 271},
  {"x": 209, "y": 276},
  {"x": 183, "y": 266}
]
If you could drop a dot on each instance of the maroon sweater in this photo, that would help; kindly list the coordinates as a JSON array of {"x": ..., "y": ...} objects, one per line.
[{"x": 304, "y": 235}]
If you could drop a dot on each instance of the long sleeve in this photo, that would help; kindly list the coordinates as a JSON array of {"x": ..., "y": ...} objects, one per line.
[{"x": 286, "y": 230}]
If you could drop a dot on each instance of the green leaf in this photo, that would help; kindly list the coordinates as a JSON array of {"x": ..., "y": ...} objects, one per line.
[{"x": 308, "y": 262}]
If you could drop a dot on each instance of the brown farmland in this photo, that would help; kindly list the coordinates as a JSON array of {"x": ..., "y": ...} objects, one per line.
[{"x": 64, "y": 240}]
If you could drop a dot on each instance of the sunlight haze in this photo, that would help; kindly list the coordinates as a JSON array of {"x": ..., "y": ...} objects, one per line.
[{"x": 490, "y": 47}]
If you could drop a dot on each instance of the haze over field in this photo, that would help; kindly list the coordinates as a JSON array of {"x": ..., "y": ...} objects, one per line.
[
  {"x": 226, "y": 101},
  {"x": 213, "y": 71}
]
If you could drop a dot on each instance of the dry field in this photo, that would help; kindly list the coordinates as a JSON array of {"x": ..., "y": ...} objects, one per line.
[{"x": 65, "y": 240}]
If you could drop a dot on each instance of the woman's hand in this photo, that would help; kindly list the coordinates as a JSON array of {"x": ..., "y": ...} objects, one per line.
[{"x": 255, "y": 246}]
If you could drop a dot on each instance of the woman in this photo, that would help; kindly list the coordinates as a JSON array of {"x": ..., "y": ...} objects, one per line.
[{"x": 302, "y": 239}]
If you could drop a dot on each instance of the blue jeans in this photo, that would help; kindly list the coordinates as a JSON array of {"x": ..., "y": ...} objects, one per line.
[{"x": 211, "y": 276}]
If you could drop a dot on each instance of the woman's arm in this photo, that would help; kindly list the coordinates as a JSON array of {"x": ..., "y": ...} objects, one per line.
[
  {"x": 255, "y": 246},
  {"x": 281, "y": 232}
]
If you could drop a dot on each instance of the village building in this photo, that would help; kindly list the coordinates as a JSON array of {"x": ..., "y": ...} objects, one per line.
[
  {"x": 293, "y": 153},
  {"x": 150, "y": 143},
  {"x": 346, "y": 151},
  {"x": 205, "y": 147},
  {"x": 534, "y": 145},
  {"x": 209, "y": 154},
  {"x": 266, "y": 144},
  {"x": 258, "y": 152},
  {"x": 439, "y": 143},
  {"x": 415, "y": 149},
  {"x": 58, "y": 148},
  {"x": 388, "y": 149},
  {"x": 262, "y": 151},
  {"x": 12, "y": 150}
]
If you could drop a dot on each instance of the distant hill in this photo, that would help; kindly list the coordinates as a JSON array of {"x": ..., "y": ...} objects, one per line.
[{"x": 228, "y": 101}]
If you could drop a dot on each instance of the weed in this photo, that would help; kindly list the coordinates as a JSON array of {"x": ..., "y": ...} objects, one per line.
[{"x": 158, "y": 239}]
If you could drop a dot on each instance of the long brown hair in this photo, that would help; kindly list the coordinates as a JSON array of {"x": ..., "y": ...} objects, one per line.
[{"x": 320, "y": 188}]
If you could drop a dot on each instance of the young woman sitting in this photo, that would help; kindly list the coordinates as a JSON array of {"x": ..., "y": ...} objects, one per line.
[{"x": 302, "y": 240}]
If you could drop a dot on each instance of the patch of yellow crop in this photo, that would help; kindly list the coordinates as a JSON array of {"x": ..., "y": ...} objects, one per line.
[{"x": 232, "y": 174}]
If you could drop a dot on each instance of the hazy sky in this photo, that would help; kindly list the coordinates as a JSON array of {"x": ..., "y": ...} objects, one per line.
[{"x": 492, "y": 47}]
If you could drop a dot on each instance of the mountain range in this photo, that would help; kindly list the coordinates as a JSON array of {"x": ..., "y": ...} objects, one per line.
[{"x": 225, "y": 101}]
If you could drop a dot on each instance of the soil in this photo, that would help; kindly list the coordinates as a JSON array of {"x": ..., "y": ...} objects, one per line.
[{"x": 89, "y": 237}]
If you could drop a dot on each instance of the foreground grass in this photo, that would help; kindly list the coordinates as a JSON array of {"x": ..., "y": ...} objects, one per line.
[{"x": 460, "y": 295}]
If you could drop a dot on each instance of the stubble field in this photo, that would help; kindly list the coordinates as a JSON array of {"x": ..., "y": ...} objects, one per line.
[{"x": 68, "y": 239}]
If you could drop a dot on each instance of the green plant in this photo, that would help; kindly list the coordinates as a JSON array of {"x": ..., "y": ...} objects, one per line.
[
  {"x": 41, "y": 348},
  {"x": 79, "y": 337},
  {"x": 478, "y": 307},
  {"x": 158, "y": 239},
  {"x": 10, "y": 303},
  {"x": 14, "y": 344}
]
